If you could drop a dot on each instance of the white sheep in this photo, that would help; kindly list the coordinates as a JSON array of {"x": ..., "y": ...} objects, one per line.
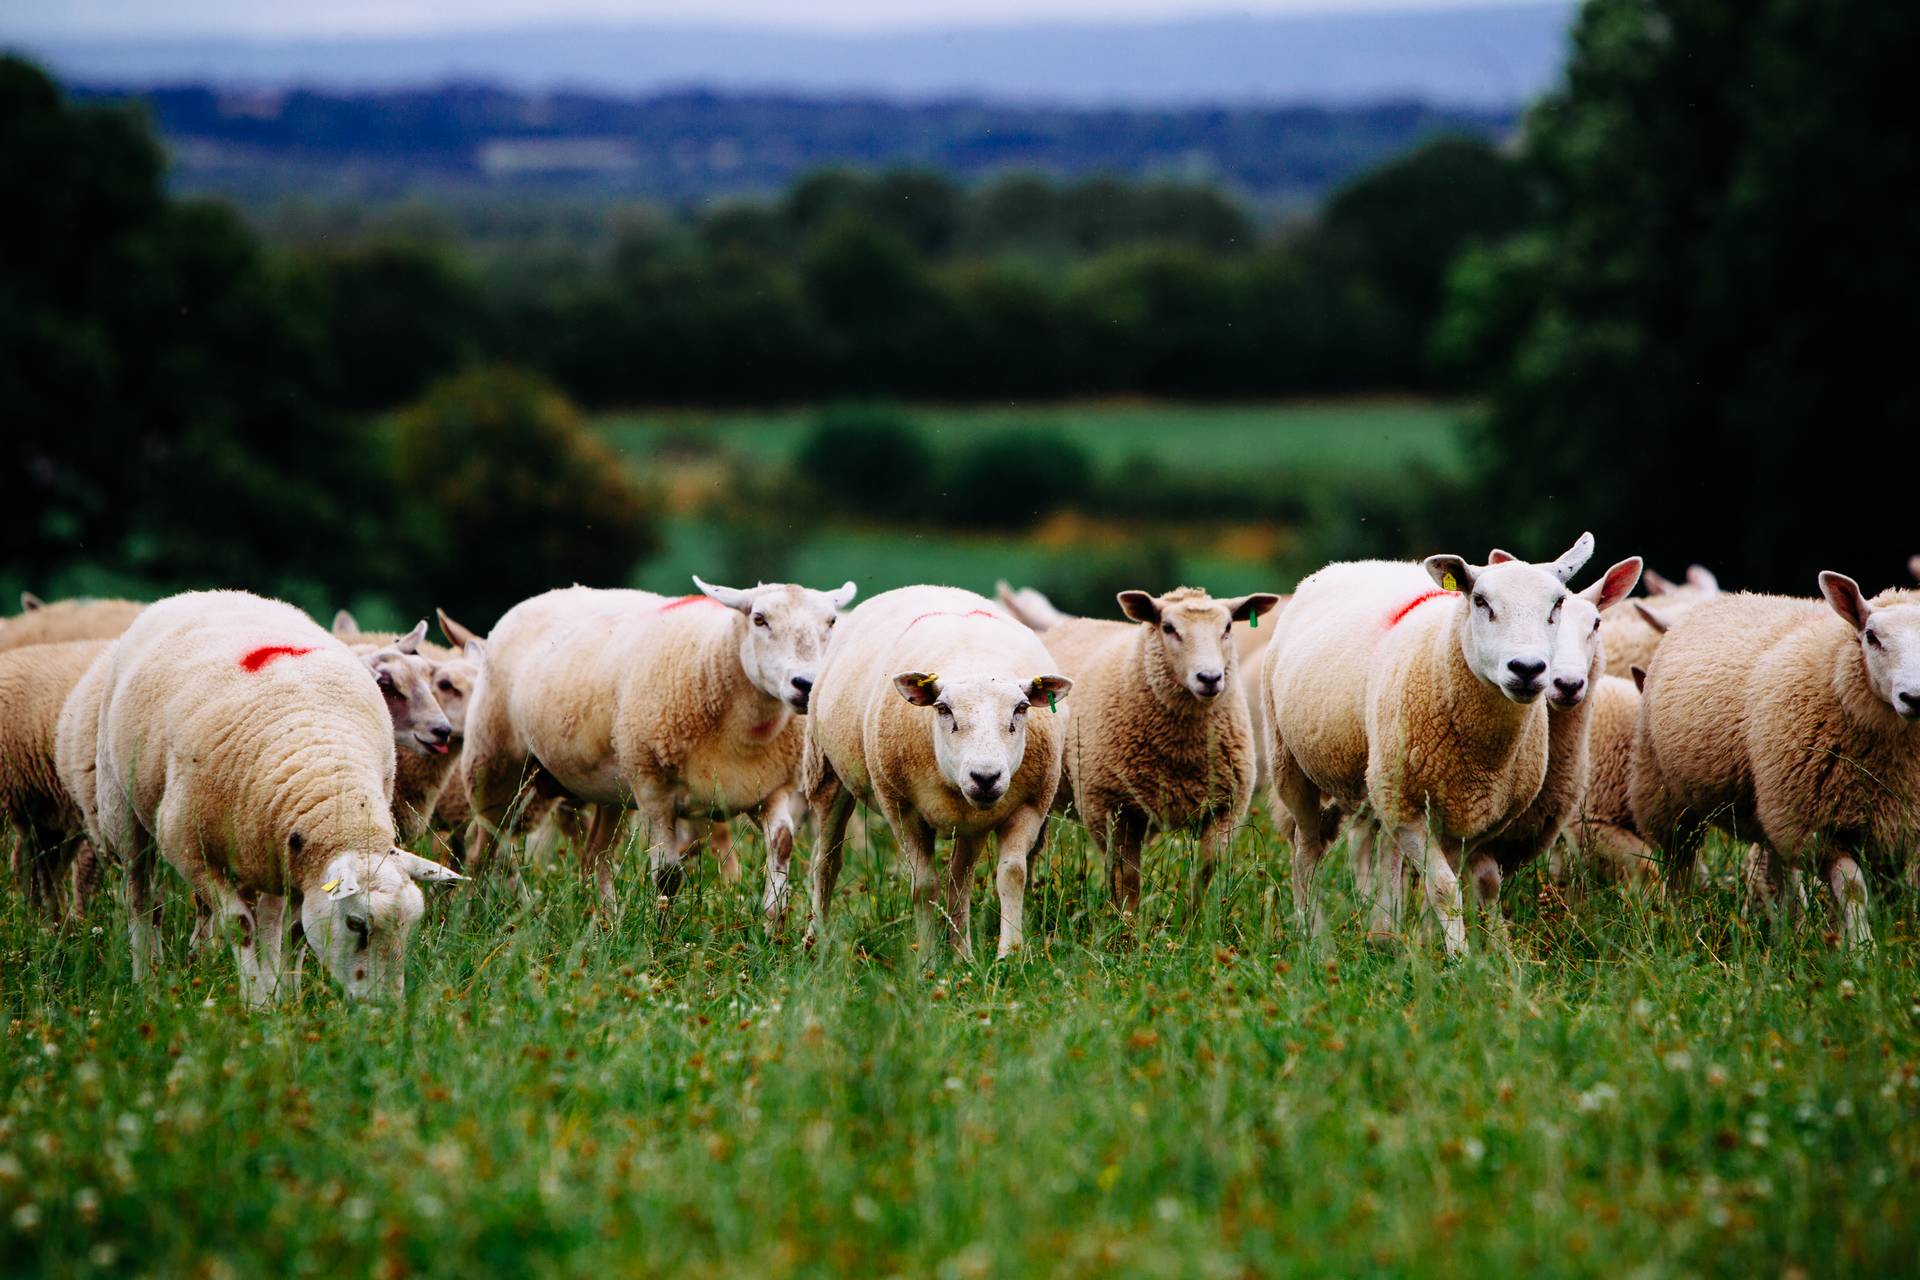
[
  {"x": 251, "y": 750},
  {"x": 1414, "y": 689},
  {"x": 1159, "y": 736},
  {"x": 1631, "y": 636},
  {"x": 935, "y": 707},
  {"x": 48, "y": 830},
  {"x": 680, "y": 708},
  {"x": 1794, "y": 720},
  {"x": 1604, "y": 831},
  {"x": 39, "y": 622}
]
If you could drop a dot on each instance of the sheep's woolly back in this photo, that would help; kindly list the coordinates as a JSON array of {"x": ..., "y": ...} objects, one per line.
[
  {"x": 67, "y": 620},
  {"x": 1317, "y": 664},
  {"x": 1136, "y": 738},
  {"x": 881, "y": 746},
  {"x": 227, "y": 725},
  {"x": 616, "y": 691},
  {"x": 1630, "y": 640}
]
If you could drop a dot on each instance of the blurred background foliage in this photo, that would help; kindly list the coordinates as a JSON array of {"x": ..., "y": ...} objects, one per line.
[{"x": 1663, "y": 314}]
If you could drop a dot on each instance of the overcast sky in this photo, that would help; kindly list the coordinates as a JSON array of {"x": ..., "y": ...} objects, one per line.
[{"x": 280, "y": 18}]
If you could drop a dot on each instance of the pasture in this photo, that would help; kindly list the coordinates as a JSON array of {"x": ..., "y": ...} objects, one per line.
[{"x": 1640, "y": 1089}]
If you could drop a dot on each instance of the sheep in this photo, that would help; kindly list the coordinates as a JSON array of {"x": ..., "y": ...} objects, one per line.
[
  {"x": 1631, "y": 637},
  {"x": 418, "y": 679},
  {"x": 1423, "y": 705},
  {"x": 1604, "y": 830},
  {"x": 1574, "y": 676},
  {"x": 677, "y": 707},
  {"x": 48, "y": 831},
  {"x": 923, "y": 710},
  {"x": 1159, "y": 735},
  {"x": 1249, "y": 646},
  {"x": 41, "y": 623},
  {"x": 236, "y": 739},
  {"x": 1793, "y": 720}
]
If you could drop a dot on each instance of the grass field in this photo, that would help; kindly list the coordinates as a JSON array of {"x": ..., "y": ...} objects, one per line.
[{"x": 1635, "y": 1093}]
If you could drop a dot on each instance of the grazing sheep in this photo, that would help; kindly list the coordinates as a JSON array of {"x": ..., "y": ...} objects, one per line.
[
  {"x": 1792, "y": 720},
  {"x": 41, "y": 623},
  {"x": 418, "y": 679},
  {"x": 1573, "y": 677},
  {"x": 1159, "y": 736},
  {"x": 48, "y": 830},
  {"x": 923, "y": 711},
  {"x": 231, "y": 736},
  {"x": 677, "y": 707},
  {"x": 1631, "y": 637},
  {"x": 1422, "y": 704}
]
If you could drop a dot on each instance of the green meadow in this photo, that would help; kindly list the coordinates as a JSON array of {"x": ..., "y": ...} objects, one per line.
[{"x": 1636, "y": 1089}]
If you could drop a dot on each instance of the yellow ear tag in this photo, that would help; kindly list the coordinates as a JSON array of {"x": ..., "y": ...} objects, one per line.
[
  {"x": 329, "y": 886},
  {"x": 1447, "y": 583},
  {"x": 928, "y": 679}
]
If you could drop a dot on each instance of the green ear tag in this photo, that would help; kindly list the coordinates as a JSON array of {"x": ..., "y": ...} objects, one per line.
[
  {"x": 1449, "y": 584},
  {"x": 1052, "y": 705},
  {"x": 1253, "y": 620}
]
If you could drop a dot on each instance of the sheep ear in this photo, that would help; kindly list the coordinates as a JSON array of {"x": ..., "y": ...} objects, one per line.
[
  {"x": 29, "y": 601},
  {"x": 1048, "y": 689},
  {"x": 475, "y": 649},
  {"x": 1843, "y": 593},
  {"x": 1497, "y": 556},
  {"x": 1139, "y": 606},
  {"x": 844, "y": 596},
  {"x": 1639, "y": 678},
  {"x": 1701, "y": 579},
  {"x": 1913, "y": 567},
  {"x": 345, "y": 625},
  {"x": 410, "y": 642},
  {"x": 1573, "y": 559},
  {"x": 425, "y": 870},
  {"x": 732, "y": 597},
  {"x": 1449, "y": 572},
  {"x": 1652, "y": 618},
  {"x": 921, "y": 688},
  {"x": 1257, "y": 605},
  {"x": 457, "y": 636},
  {"x": 1615, "y": 585},
  {"x": 1657, "y": 584}
]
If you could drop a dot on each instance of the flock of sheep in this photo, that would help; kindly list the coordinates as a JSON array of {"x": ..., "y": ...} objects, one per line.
[{"x": 1457, "y": 720}]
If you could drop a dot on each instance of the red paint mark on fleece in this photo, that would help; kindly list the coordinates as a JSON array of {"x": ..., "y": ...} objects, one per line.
[
  {"x": 686, "y": 600},
  {"x": 266, "y": 653},
  {"x": 948, "y": 613},
  {"x": 1415, "y": 603},
  {"x": 765, "y": 727}
]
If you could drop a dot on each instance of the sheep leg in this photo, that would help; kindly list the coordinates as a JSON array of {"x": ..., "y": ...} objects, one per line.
[
  {"x": 1216, "y": 842},
  {"x": 916, "y": 840},
  {"x": 1848, "y": 885},
  {"x": 1019, "y": 837},
  {"x": 1379, "y": 871},
  {"x": 720, "y": 841},
  {"x": 596, "y": 852},
  {"x": 1293, "y": 789},
  {"x": 959, "y": 894},
  {"x": 143, "y": 899},
  {"x": 779, "y": 817},
  {"x": 1483, "y": 869},
  {"x": 832, "y": 806},
  {"x": 1417, "y": 846},
  {"x": 1126, "y": 832},
  {"x": 259, "y": 953},
  {"x": 1622, "y": 853}
]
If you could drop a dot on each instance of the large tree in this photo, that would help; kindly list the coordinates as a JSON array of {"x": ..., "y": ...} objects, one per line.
[{"x": 1703, "y": 352}]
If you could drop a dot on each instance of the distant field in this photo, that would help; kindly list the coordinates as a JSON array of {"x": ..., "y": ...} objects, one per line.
[{"x": 1223, "y": 440}]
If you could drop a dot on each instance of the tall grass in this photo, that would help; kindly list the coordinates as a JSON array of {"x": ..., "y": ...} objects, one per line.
[{"x": 1637, "y": 1089}]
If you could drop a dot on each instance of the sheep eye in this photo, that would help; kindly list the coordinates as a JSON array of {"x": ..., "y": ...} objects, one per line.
[
  {"x": 1169, "y": 629},
  {"x": 1596, "y": 624},
  {"x": 357, "y": 926},
  {"x": 1873, "y": 639},
  {"x": 759, "y": 619},
  {"x": 831, "y": 621},
  {"x": 446, "y": 686},
  {"x": 943, "y": 708},
  {"x": 386, "y": 683}
]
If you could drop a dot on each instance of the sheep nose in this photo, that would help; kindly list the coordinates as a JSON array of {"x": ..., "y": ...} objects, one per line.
[
  {"x": 803, "y": 683},
  {"x": 1527, "y": 669},
  {"x": 1209, "y": 681},
  {"x": 984, "y": 779},
  {"x": 1912, "y": 700},
  {"x": 441, "y": 732},
  {"x": 1570, "y": 689}
]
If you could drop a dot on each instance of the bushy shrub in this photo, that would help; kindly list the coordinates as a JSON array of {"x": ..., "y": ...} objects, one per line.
[
  {"x": 869, "y": 460},
  {"x": 1014, "y": 478},
  {"x": 517, "y": 495}
]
